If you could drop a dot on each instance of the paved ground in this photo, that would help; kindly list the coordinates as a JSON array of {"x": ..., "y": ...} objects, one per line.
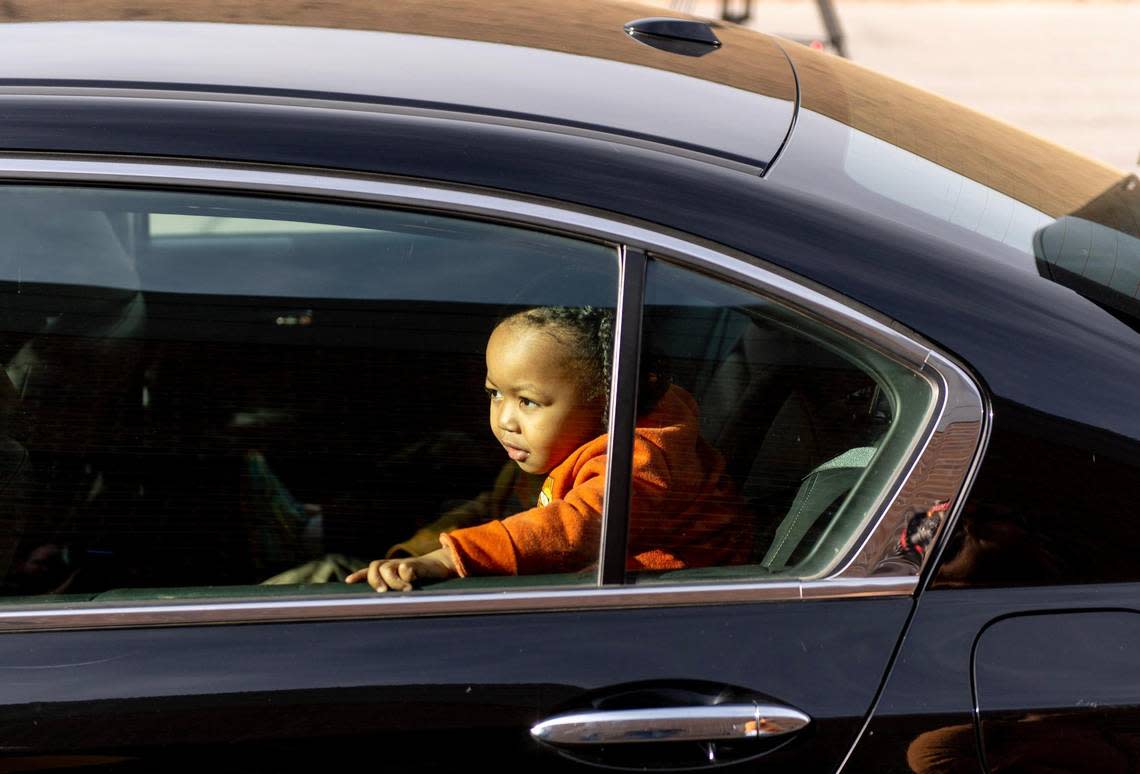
[{"x": 1068, "y": 71}]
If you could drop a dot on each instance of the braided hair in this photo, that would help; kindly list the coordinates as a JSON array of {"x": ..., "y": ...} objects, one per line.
[{"x": 587, "y": 332}]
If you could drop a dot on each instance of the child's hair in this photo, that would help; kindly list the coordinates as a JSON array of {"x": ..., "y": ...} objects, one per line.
[
  {"x": 587, "y": 332},
  {"x": 591, "y": 333}
]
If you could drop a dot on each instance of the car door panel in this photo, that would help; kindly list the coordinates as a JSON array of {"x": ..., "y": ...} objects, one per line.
[{"x": 435, "y": 691}]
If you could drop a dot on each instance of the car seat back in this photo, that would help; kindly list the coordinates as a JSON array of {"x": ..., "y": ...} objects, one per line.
[
  {"x": 822, "y": 488},
  {"x": 793, "y": 421}
]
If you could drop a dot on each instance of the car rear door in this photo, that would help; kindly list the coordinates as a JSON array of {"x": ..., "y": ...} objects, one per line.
[{"x": 273, "y": 390}]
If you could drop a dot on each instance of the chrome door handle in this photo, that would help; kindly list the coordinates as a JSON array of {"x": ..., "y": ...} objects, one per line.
[{"x": 715, "y": 723}]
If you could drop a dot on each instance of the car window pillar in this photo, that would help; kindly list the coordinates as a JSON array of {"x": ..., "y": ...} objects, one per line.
[{"x": 622, "y": 416}]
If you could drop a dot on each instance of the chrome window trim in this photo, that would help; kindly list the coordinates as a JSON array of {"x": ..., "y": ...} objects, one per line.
[
  {"x": 398, "y": 605},
  {"x": 960, "y": 399},
  {"x": 961, "y": 414},
  {"x": 961, "y": 385}
]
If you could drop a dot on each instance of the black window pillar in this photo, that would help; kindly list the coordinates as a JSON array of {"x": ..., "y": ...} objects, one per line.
[{"x": 623, "y": 416}]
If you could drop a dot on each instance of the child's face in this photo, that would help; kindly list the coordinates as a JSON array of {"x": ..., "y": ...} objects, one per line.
[{"x": 539, "y": 410}]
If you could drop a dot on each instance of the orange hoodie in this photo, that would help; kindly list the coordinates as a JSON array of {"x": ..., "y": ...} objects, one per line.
[{"x": 684, "y": 512}]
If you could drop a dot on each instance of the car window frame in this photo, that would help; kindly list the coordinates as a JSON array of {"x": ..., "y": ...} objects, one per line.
[{"x": 961, "y": 415}]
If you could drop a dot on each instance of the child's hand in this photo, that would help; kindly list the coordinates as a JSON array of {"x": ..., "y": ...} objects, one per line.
[{"x": 400, "y": 574}]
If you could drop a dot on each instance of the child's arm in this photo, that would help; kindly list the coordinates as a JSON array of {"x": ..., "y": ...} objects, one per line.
[
  {"x": 561, "y": 536},
  {"x": 400, "y": 574}
]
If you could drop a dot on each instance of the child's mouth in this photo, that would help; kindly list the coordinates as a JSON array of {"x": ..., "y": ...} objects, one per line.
[{"x": 515, "y": 453}]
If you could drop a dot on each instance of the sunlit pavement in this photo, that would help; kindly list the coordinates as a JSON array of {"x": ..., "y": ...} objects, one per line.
[{"x": 1067, "y": 71}]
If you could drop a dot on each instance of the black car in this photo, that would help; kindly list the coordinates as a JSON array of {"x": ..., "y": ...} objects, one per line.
[{"x": 250, "y": 258}]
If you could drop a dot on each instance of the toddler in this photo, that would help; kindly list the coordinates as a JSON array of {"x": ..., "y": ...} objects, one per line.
[{"x": 548, "y": 376}]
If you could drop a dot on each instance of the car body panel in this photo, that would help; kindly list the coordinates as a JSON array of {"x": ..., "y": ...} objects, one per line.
[
  {"x": 1059, "y": 689},
  {"x": 929, "y": 700},
  {"x": 283, "y": 697}
]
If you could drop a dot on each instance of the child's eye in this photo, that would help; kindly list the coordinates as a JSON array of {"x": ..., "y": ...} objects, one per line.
[
  {"x": 492, "y": 393},
  {"x": 528, "y": 403}
]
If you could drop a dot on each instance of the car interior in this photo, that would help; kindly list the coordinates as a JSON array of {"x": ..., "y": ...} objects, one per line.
[{"x": 200, "y": 391}]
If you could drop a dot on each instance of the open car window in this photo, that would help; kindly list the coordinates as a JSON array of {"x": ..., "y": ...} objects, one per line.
[{"x": 209, "y": 395}]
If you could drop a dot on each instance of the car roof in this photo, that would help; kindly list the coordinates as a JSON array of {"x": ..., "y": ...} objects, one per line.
[
  {"x": 564, "y": 64},
  {"x": 568, "y": 64}
]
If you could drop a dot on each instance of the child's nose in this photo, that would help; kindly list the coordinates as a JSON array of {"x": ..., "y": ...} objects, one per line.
[{"x": 507, "y": 418}]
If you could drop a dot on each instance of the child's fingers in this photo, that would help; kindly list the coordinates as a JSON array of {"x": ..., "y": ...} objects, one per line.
[
  {"x": 375, "y": 578},
  {"x": 391, "y": 573},
  {"x": 384, "y": 574}
]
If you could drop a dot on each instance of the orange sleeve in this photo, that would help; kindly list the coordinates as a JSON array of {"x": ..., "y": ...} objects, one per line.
[
  {"x": 483, "y": 550},
  {"x": 559, "y": 537}
]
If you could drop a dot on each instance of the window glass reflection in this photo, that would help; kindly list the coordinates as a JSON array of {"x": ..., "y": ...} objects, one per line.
[
  {"x": 204, "y": 391},
  {"x": 781, "y": 435}
]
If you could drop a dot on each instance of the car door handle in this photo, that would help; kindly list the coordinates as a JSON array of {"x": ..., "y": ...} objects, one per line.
[{"x": 713, "y": 723}]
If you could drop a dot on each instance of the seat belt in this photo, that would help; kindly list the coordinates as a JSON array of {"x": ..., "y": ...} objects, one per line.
[{"x": 820, "y": 488}]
